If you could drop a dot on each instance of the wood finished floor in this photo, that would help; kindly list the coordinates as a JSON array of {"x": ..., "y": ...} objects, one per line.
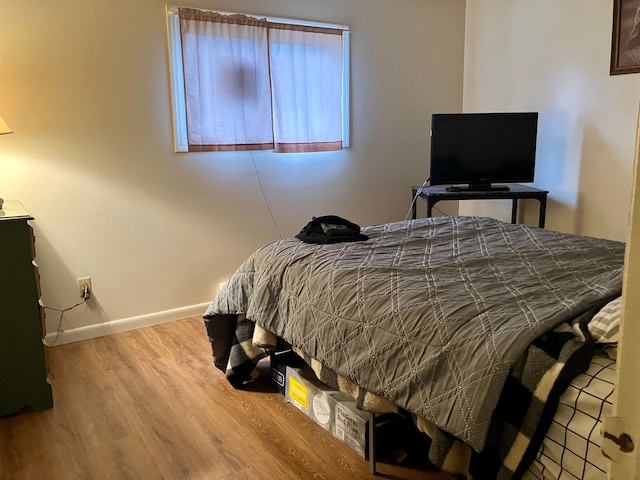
[{"x": 148, "y": 404}]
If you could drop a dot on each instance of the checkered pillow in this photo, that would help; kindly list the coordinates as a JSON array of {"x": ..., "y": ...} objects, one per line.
[{"x": 604, "y": 327}]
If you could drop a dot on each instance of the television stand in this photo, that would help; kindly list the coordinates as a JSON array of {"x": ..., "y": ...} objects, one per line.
[
  {"x": 434, "y": 193},
  {"x": 480, "y": 187}
]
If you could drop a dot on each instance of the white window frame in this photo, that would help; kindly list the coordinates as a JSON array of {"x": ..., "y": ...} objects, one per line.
[{"x": 176, "y": 73}]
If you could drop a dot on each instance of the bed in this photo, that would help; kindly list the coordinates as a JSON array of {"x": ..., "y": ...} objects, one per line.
[{"x": 472, "y": 326}]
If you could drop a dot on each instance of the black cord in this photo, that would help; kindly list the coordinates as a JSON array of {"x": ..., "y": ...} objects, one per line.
[
  {"x": 440, "y": 211},
  {"x": 266, "y": 201}
]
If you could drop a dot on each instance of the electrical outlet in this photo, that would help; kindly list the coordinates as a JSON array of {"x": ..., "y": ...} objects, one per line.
[{"x": 84, "y": 286}]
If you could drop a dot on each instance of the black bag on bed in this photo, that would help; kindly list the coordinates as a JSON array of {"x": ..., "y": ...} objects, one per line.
[{"x": 330, "y": 229}]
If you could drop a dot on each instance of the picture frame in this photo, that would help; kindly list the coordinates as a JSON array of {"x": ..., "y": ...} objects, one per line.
[{"x": 625, "y": 41}]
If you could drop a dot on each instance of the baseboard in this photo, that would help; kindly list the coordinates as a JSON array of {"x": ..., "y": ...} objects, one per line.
[{"x": 123, "y": 325}]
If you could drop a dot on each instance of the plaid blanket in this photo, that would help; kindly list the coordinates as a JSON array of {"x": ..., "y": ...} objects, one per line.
[{"x": 526, "y": 407}]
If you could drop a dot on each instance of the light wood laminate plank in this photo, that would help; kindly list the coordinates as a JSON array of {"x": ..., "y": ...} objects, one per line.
[{"x": 149, "y": 404}]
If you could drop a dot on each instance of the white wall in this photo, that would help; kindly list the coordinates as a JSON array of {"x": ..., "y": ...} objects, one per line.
[
  {"x": 553, "y": 57},
  {"x": 84, "y": 85}
]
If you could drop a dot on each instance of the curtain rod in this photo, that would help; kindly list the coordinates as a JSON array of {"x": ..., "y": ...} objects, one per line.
[{"x": 173, "y": 10}]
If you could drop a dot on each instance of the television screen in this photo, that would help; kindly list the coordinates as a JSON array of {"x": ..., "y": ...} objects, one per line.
[{"x": 481, "y": 149}]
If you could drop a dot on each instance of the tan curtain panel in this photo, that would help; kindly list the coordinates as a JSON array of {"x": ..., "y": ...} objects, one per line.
[{"x": 227, "y": 84}]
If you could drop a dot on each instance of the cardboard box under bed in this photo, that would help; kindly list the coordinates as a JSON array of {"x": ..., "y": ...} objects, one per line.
[{"x": 332, "y": 410}]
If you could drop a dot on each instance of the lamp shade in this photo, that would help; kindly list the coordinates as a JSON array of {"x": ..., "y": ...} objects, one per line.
[{"x": 4, "y": 128}]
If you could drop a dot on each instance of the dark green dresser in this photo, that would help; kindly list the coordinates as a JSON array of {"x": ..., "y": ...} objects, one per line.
[{"x": 23, "y": 370}]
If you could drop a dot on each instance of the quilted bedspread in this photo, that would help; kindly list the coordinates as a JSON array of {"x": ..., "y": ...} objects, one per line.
[{"x": 430, "y": 314}]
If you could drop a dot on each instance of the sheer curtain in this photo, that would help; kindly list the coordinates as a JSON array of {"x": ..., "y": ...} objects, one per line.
[
  {"x": 227, "y": 84},
  {"x": 306, "y": 79},
  {"x": 252, "y": 84}
]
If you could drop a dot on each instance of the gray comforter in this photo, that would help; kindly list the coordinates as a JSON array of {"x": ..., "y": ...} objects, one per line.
[{"x": 430, "y": 314}]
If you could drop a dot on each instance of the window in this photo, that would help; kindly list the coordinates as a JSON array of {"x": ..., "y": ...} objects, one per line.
[{"x": 245, "y": 83}]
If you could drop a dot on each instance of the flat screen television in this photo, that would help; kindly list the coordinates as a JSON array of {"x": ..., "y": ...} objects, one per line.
[{"x": 479, "y": 151}]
